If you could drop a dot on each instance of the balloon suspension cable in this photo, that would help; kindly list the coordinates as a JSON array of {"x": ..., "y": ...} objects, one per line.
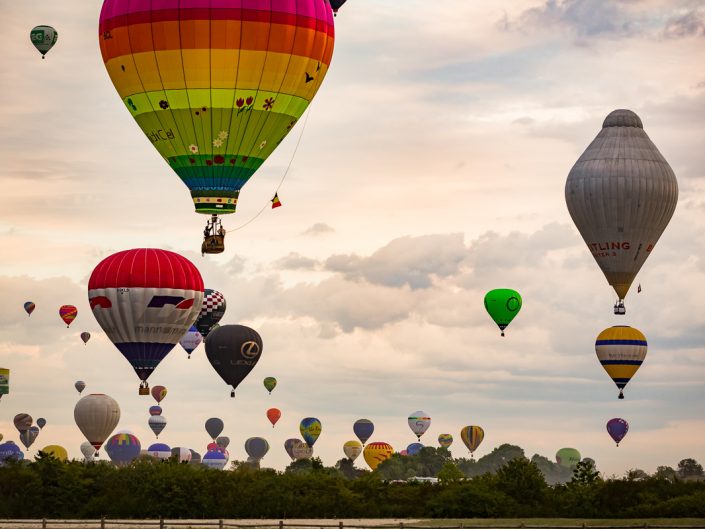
[{"x": 286, "y": 172}]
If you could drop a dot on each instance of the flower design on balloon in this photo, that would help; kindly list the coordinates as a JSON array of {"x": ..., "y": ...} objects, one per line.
[
  {"x": 268, "y": 103},
  {"x": 223, "y": 134},
  {"x": 193, "y": 148},
  {"x": 217, "y": 143},
  {"x": 262, "y": 145}
]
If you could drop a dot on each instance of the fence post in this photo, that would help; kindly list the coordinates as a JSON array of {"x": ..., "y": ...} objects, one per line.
[
  {"x": 401, "y": 525},
  {"x": 44, "y": 523},
  {"x": 220, "y": 524},
  {"x": 340, "y": 525},
  {"x": 461, "y": 525},
  {"x": 161, "y": 523},
  {"x": 102, "y": 522},
  {"x": 281, "y": 524}
]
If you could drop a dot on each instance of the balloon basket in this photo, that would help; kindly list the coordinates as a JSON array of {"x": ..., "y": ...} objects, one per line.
[{"x": 144, "y": 391}]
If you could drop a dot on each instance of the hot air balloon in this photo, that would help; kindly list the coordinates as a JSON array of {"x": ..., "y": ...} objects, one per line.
[
  {"x": 159, "y": 393},
  {"x": 414, "y": 448},
  {"x": 4, "y": 381},
  {"x": 568, "y": 457},
  {"x": 59, "y": 452},
  {"x": 256, "y": 447},
  {"x": 273, "y": 414},
  {"x": 195, "y": 458},
  {"x": 182, "y": 454},
  {"x": 212, "y": 311},
  {"x": 85, "y": 336},
  {"x": 157, "y": 423},
  {"x": 376, "y": 453},
  {"x": 191, "y": 340},
  {"x": 445, "y": 440},
  {"x": 419, "y": 421},
  {"x": 352, "y": 449},
  {"x": 336, "y": 4},
  {"x": 590, "y": 461},
  {"x": 270, "y": 383},
  {"x": 27, "y": 437},
  {"x": 363, "y": 429},
  {"x": 214, "y": 459},
  {"x": 68, "y": 313},
  {"x": 233, "y": 351},
  {"x": 123, "y": 448},
  {"x": 310, "y": 429},
  {"x": 23, "y": 422},
  {"x": 29, "y": 308},
  {"x": 155, "y": 410},
  {"x": 88, "y": 451},
  {"x": 96, "y": 415},
  {"x": 159, "y": 450},
  {"x": 145, "y": 300},
  {"x": 472, "y": 436},
  {"x": 41, "y": 422},
  {"x": 289, "y": 447},
  {"x": 621, "y": 351},
  {"x": 213, "y": 446},
  {"x": 10, "y": 451},
  {"x": 502, "y": 304},
  {"x": 215, "y": 122},
  {"x": 617, "y": 428},
  {"x": 80, "y": 385},
  {"x": 214, "y": 427},
  {"x": 43, "y": 38},
  {"x": 222, "y": 442},
  {"x": 621, "y": 194},
  {"x": 301, "y": 450}
]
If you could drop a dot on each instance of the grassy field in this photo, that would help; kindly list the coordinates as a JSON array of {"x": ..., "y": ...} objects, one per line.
[{"x": 559, "y": 522}]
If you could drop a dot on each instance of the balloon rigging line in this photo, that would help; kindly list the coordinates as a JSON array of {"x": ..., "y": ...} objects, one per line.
[{"x": 286, "y": 172}]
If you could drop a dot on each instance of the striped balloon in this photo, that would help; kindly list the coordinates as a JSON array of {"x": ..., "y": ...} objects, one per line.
[
  {"x": 145, "y": 300},
  {"x": 621, "y": 351},
  {"x": 472, "y": 436},
  {"x": 68, "y": 313},
  {"x": 216, "y": 85},
  {"x": 445, "y": 440}
]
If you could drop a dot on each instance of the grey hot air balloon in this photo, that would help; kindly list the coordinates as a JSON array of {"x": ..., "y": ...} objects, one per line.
[
  {"x": 214, "y": 427},
  {"x": 80, "y": 385},
  {"x": 96, "y": 416},
  {"x": 621, "y": 194},
  {"x": 256, "y": 447}
]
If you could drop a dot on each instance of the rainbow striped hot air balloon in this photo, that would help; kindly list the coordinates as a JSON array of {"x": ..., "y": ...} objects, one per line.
[
  {"x": 68, "y": 313},
  {"x": 472, "y": 436},
  {"x": 621, "y": 351},
  {"x": 216, "y": 86}
]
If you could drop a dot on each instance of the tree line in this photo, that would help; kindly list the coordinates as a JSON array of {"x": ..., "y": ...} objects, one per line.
[{"x": 503, "y": 484}]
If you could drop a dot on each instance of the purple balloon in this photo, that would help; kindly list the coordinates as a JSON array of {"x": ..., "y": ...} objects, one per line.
[{"x": 617, "y": 428}]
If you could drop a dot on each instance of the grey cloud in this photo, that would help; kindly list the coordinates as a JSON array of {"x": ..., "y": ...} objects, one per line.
[
  {"x": 296, "y": 261},
  {"x": 320, "y": 228},
  {"x": 412, "y": 261},
  {"x": 690, "y": 24}
]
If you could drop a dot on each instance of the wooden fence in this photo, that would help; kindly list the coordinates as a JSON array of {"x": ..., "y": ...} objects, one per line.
[{"x": 105, "y": 523}]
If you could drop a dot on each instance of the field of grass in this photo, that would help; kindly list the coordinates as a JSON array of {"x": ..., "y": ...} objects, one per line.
[{"x": 560, "y": 522}]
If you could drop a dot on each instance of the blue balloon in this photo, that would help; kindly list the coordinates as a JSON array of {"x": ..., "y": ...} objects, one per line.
[
  {"x": 123, "y": 448},
  {"x": 214, "y": 459},
  {"x": 10, "y": 450},
  {"x": 363, "y": 429},
  {"x": 414, "y": 448}
]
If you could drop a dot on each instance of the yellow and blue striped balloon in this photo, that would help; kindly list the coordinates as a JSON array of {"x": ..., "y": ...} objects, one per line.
[
  {"x": 621, "y": 351},
  {"x": 472, "y": 436}
]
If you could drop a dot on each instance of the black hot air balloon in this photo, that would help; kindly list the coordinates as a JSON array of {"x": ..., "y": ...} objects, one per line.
[{"x": 233, "y": 350}]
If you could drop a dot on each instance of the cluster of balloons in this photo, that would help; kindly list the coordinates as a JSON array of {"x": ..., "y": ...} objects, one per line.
[
  {"x": 157, "y": 421},
  {"x": 67, "y": 313}
]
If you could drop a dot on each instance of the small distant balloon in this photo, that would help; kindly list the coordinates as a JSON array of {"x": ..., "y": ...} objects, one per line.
[
  {"x": 472, "y": 436},
  {"x": 123, "y": 448},
  {"x": 68, "y": 313},
  {"x": 302, "y": 450},
  {"x": 216, "y": 460},
  {"x": 80, "y": 385},
  {"x": 191, "y": 340},
  {"x": 310, "y": 429},
  {"x": 568, "y": 457},
  {"x": 159, "y": 450},
  {"x": 376, "y": 453},
  {"x": 270, "y": 383},
  {"x": 363, "y": 429},
  {"x": 29, "y": 307},
  {"x": 352, "y": 449},
  {"x": 445, "y": 440},
  {"x": 214, "y": 427},
  {"x": 88, "y": 451},
  {"x": 212, "y": 310},
  {"x": 155, "y": 410},
  {"x": 621, "y": 350},
  {"x": 182, "y": 454},
  {"x": 43, "y": 38},
  {"x": 85, "y": 336},
  {"x": 414, "y": 448},
  {"x": 96, "y": 416},
  {"x": 335, "y": 5},
  {"x": 222, "y": 442},
  {"x": 419, "y": 421},
  {"x": 59, "y": 452},
  {"x": 273, "y": 414},
  {"x": 158, "y": 393},
  {"x": 289, "y": 447},
  {"x": 503, "y": 304},
  {"x": 41, "y": 422},
  {"x": 157, "y": 423},
  {"x": 27, "y": 437},
  {"x": 10, "y": 451},
  {"x": 617, "y": 428},
  {"x": 256, "y": 447},
  {"x": 23, "y": 422}
]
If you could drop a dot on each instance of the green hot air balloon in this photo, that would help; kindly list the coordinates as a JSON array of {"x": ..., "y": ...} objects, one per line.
[
  {"x": 503, "y": 304},
  {"x": 270, "y": 383},
  {"x": 568, "y": 457},
  {"x": 43, "y": 38}
]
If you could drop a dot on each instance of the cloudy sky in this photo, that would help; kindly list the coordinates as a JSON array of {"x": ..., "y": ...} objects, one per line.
[{"x": 431, "y": 169}]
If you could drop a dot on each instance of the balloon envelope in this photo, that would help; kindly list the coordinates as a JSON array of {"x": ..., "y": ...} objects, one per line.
[
  {"x": 502, "y": 304},
  {"x": 23, "y": 421},
  {"x": 155, "y": 410},
  {"x": 157, "y": 423},
  {"x": 41, "y": 422},
  {"x": 222, "y": 442},
  {"x": 159, "y": 450},
  {"x": 29, "y": 307},
  {"x": 158, "y": 393},
  {"x": 617, "y": 428},
  {"x": 145, "y": 300},
  {"x": 191, "y": 340},
  {"x": 310, "y": 429},
  {"x": 85, "y": 336},
  {"x": 214, "y": 427},
  {"x": 621, "y": 350},
  {"x": 414, "y": 448},
  {"x": 445, "y": 440},
  {"x": 80, "y": 385},
  {"x": 233, "y": 351},
  {"x": 182, "y": 455},
  {"x": 256, "y": 447},
  {"x": 88, "y": 451},
  {"x": 376, "y": 453},
  {"x": 96, "y": 416},
  {"x": 419, "y": 421},
  {"x": 472, "y": 436},
  {"x": 273, "y": 414},
  {"x": 27, "y": 437},
  {"x": 214, "y": 459},
  {"x": 270, "y": 383},
  {"x": 352, "y": 449},
  {"x": 363, "y": 429},
  {"x": 621, "y": 194},
  {"x": 4, "y": 381},
  {"x": 302, "y": 450},
  {"x": 43, "y": 38},
  {"x": 216, "y": 121},
  {"x": 68, "y": 313},
  {"x": 10, "y": 451},
  {"x": 123, "y": 448},
  {"x": 289, "y": 447},
  {"x": 59, "y": 452},
  {"x": 212, "y": 310},
  {"x": 568, "y": 457}
]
